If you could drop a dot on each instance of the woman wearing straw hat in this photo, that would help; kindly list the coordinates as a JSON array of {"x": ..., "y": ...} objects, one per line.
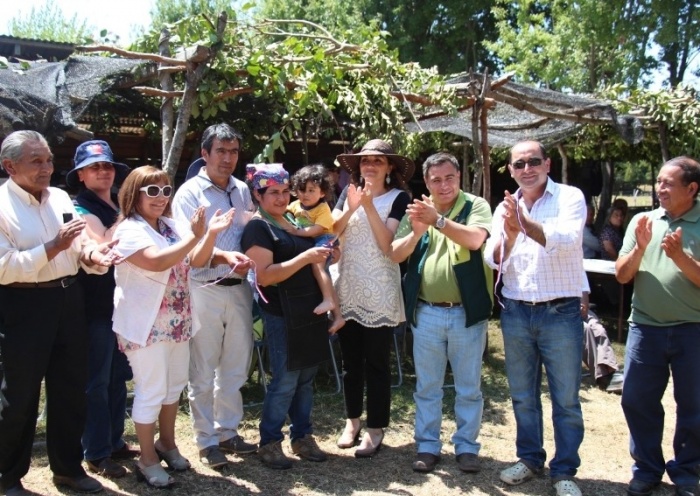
[{"x": 369, "y": 285}]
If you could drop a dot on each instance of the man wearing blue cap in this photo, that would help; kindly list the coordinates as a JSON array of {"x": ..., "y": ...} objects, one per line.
[
  {"x": 222, "y": 300},
  {"x": 94, "y": 174}
]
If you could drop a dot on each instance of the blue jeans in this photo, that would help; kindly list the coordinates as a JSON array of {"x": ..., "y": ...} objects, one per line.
[
  {"x": 549, "y": 335},
  {"x": 108, "y": 371},
  {"x": 289, "y": 393},
  {"x": 652, "y": 355},
  {"x": 438, "y": 336}
]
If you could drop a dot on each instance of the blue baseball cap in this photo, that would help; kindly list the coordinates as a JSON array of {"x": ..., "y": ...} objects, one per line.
[{"x": 91, "y": 152}]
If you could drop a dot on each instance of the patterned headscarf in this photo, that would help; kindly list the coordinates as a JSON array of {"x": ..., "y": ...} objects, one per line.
[{"x": 264, "y": 175}]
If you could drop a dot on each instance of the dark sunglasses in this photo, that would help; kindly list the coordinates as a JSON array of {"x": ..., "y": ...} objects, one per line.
[
  {"x": 532, "y": 162},
  {"x": 154, "y": 191}
]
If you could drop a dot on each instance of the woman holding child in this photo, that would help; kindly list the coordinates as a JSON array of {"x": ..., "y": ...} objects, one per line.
[
  {"x": 296, "y": 336},
  {"x": 369, "y": 285}
]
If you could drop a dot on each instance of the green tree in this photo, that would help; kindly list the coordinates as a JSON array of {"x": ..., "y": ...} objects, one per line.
[
  {"x": 48, "y": 22},
  {"x": 577, "y": 46},
  {"x": 293, "y": 79},
  {"x": 678, "y": 35},
  {"x": 169, "y": 11}
]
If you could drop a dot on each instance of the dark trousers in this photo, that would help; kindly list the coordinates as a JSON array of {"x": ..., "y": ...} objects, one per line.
[
  {"x": 654, "y": 354},
  {"x": 366, "y": 361},
  {"x": 45, "y": 337}
]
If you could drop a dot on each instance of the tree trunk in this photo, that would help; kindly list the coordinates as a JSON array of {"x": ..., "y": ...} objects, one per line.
[
  {"x": 564, "y": 164},
  {"x": 167, "y": 108},
  {"x": 476, "y": 140},
  {"x": 485, "y": 155}
]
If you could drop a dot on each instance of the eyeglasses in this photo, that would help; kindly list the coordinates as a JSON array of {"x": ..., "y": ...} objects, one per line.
[
  {"x": 106, "y": 166},
  {"x": 154, "y": 191},
  {"x": 532, "y": 162}
]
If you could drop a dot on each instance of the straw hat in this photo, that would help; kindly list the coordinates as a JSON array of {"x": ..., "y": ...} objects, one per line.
[{"x": 351, "y": 161}]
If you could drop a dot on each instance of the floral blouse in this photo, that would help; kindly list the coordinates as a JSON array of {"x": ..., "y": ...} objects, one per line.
[
  {"x": 612, "y": 234},
  {"x": 174, "y": 320}
]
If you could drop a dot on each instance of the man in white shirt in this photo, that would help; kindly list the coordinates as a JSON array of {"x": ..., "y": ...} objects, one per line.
[
  {"x": 222, "y": 300},
  {"x": 42, "y": 315},
  {"x": 536, "y": 244}
]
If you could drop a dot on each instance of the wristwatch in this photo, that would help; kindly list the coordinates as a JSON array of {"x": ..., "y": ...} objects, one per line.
[{"x": 440, "y": 223}]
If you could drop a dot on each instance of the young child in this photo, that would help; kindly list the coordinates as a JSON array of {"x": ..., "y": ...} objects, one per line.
[{"x": 310, "y": 185}]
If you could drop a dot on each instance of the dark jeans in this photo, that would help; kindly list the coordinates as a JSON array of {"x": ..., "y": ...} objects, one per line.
[
  {"x": 108, "y": 371},
  {"x": 45, "y": 336},
  {"x": 366, "y": 352},
  {"x": 289, "y": 392},
  {"x": 653, "y": 354}
]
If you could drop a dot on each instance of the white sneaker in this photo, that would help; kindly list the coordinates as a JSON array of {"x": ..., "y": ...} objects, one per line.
[
  {"x": 517, "y": 474},
  {"x": 567, "y": 488}
]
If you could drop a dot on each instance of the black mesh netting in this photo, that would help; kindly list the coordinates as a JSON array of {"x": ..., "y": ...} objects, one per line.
[
  {"x": 49, "y": 97},
  {"x": 524, "y": 112}
]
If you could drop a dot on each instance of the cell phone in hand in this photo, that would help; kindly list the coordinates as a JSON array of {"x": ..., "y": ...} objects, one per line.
[{"x": 67, "y": 217}]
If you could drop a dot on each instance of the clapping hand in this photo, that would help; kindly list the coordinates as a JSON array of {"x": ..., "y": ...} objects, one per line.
[
  {"x": 198, "y": 223},
  {"x": 672, "y": 244},
  {"x": 220, "y": 221},
  {"x": 422, "y": 214},
  {"x": 105, "y": 256}
]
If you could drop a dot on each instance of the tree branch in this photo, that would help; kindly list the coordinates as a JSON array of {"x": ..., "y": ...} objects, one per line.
[{"x": 128, "y": 54}]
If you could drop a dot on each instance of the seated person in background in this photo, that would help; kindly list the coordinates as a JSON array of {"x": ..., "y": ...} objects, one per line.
[
  {"x": 598, "y": 353},
  {"x": 591, "y": 245},
  {"x": 313, "y": 216},
  {"x": 612, "y": 233}
]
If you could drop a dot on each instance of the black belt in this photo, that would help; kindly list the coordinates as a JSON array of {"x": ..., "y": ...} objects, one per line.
[
  {"x": 555, "y": 301},
  {"x": 229, "y": 281},
  {"x": 64, "y": 282},
  {"x": 442, "y": 304}
]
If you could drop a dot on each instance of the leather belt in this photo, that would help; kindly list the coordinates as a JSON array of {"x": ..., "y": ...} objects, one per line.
[
  {"x": 442, "y": 304},
  {"x": 555, "y": 301},
  {"x": 229, "y": 281},
  {"x": 64, "y": 282}
]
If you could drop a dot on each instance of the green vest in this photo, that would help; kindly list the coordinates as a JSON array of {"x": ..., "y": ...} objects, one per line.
[{"x": 477, "y": 299}]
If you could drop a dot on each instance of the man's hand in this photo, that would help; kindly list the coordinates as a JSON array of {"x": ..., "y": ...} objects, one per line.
[
  {"x": 237, "y": 261},
  {"x": 672, "y": 244},
  {"x": 67, "y": 233},
  {"x": 198, "y": 223},
  {"x": 512, "y": 216},
  {"x": 643, "y": 232},
  {"x": 422, "y": 214}
]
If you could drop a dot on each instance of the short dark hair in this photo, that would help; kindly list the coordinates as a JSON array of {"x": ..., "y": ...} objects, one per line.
[
  {"x": 437, "y": 159},
  {"x": 690, "y": 170},
  {"x": 222, "y": 132},
  {"x": 542, "y": 150},
  {"x": 316, "y": 174}
]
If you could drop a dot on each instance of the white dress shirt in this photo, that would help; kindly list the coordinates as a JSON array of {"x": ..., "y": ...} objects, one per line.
[
  {"x": 25, "y": 225},
  {"x": 537, "y": 273}
]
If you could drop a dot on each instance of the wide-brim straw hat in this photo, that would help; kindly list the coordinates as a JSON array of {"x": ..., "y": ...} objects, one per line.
[{"x": 351, "y": 161}]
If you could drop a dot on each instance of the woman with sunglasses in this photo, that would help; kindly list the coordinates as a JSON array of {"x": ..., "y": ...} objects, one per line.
[{"x": 152, "y": 309}]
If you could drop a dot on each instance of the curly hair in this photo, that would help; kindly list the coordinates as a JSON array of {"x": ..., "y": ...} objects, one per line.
[{"x": 316, "y": 174}]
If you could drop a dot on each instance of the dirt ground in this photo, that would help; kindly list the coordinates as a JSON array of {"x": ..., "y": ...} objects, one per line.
[{"x": 605, "y": 467}]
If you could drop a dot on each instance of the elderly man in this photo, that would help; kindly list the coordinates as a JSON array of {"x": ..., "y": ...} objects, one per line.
[
  {"x": 536, "y": 245},
  {"x": 222, "y": 300},
  {"x": 661, "y": 252},
  {"x": 42, "y": 315},
  {"x": 449, "y": 297}
]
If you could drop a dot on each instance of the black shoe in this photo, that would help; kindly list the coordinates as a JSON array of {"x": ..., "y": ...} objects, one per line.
[
  {"x": 126, "y": 452},
  {"x": 79, "y": 484},
  {"x": 469, "y": 463},
  {"x": 425, "y": 462},
  {"x": 687, "y": 490},
  {"x": 641, "y": 488},
  {"x": 106, "y": 467}
]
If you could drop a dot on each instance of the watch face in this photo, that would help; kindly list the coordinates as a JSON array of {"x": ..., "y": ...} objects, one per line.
[{"x": 440, "y": 222}]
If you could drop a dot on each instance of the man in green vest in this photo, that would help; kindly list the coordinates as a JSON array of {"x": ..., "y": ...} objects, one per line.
[{"x": 449, "y": 296}]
